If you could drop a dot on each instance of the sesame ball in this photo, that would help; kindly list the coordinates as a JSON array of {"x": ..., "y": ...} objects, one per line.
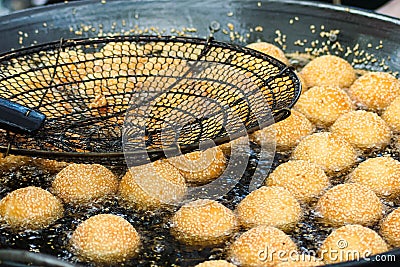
[
  {"x": 240, "y": 144},
  {"x": 322, "y": 105},
  {"x": 152, "y": 186},
  {"x": 84, "y": 183},
  {"x": 364, "y": 130},
  {"x": 258, "y": 247},
  {"x": 269, "y": 49},
  {"x": 300, "y": 260},
  {"x": 329, "y": 151},
  {"x": 303, "y": 179},
  {"x": 273, "y": 206},
  {"x": 390, "y": 228},
  {"x": 12, "y": 161},
  {"x": 392, "y": 115},
  {"x": 200, "y": 167},
  {"x": 30, "y": 208},
  {"x": 105, "y": 238},
  {"x": 288, "y": 133},
  {"x": 328, "y": 70},
  {"x": 203, "y": 222},
  {"x": 215, "y": 263},
  {"x": 350, "y": 204},
  {"x": 375, "y": 90},
  {"x": 351, "y": 242},
  {"x": 380, "y": 174}
]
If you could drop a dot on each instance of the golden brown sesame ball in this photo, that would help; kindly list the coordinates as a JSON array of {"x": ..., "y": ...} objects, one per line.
[
  {"x": 12, "y": 161},
  {"x": 53, "y": 166},
  {"x": 203, "y": 222},
  {"x": 331, "y": 152},
  {"x": 381, "y": 175},
  {"x": 239, "y": 144},
  {"x": 363, "y": 129},
  {"x": 328, "y": 70},
  {"x": 255, "y": 247},
  {"x": 152, "y": 186},
  {"x": 200, "y": 167},
  {"x": 322, "y": 105},
  {"x": 288, "y": 133},
  {"x": 350, "y": 204},
  {"x": 83, "y": 183},
  {"x": 392, "y": 115},
  {"x": 390, "y": 228},
  {"x": 300, "y": 260},
  {"x": 273, "y": 206},
  {"x": 305, "y": 180},
  {"x": 215, "y": 263},
  {"x": 375, "y": 90},
  {"x": 269, "y": 49},
  {"x": 105, "y": 238},
  {"x": 30, "y": 208},
  {"x": 349, "y": 242}
]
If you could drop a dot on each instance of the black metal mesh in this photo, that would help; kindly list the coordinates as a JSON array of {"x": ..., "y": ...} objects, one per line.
[{"x": 86, "y": 87}]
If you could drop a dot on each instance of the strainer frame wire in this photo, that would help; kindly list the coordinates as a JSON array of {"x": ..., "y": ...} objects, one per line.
[
  {"x": 153, "y": 154},
  {"x": 14, "y": 257}
]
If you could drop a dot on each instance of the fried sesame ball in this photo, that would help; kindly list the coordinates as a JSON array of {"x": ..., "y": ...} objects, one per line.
[
  {"x": 258, "y": 247},
  {"x": 239, "y": 144},
  {"x": 300, "y": 260},
  {"x": 215, "y": 263},
  {"x": 375, "y": 90},
  {"x": 392, "y": 115},
  {"x": 152, "y": 186},
  {"x": 52, "y": 166},
  {"x": 364, "y": 130},
  {"x": 105, "y": 238},
  {"x": 322, "y": 105},
  {"x": 380, "y": 174},
  {"x": 200, "y": 167},
  {"x": 304, "y": 180},
  {"x": 12, "y": 162},
  {"x": 273, "y": 206},
  {"x": 288, "y": 133},
  {"x": 203, "y": 222},
  {"x": 333, "y": 153},
  {"x": 84, "y": 183},
  {"x": 390, "y": 228},
  {"x": 350, "y": 204},
  {"x": 269, "y": 49},
  {"x": 328, "y": 70},
  {"x": 351, "y": 242},
  {"x": 30, "y": 208}
]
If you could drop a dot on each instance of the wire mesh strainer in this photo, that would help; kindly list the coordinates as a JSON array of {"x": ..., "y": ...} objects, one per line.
[{"x": 85, "y": 88}]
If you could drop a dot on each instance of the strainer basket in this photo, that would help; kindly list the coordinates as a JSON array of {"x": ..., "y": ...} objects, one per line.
[{"x": 96, "y": 93}]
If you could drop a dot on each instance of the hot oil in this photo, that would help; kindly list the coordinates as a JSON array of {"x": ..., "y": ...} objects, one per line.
[{"x": 158, "y": 247}]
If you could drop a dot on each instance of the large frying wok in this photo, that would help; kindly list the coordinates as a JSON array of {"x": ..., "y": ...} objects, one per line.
[{"x": 297, "y": 23}]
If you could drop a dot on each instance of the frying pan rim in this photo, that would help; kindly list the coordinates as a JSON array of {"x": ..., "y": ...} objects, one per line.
[{"x": 339, "y": 8}]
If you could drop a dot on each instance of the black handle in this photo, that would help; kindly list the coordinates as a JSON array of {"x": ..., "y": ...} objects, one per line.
[
  {"x": 19, "y": 119},
  {"x": 282, "y": 114}
]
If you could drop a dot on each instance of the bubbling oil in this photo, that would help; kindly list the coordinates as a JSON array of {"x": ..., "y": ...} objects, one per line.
[{"x": 158, "y": 247}]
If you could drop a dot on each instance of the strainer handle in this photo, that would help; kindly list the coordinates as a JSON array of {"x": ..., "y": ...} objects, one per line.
[
  {"x": 282, "y": 114},
  {"x": 19, "y": 119}
]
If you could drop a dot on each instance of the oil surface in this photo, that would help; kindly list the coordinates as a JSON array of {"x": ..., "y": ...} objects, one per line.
[{"x": 158, "y": 247}]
